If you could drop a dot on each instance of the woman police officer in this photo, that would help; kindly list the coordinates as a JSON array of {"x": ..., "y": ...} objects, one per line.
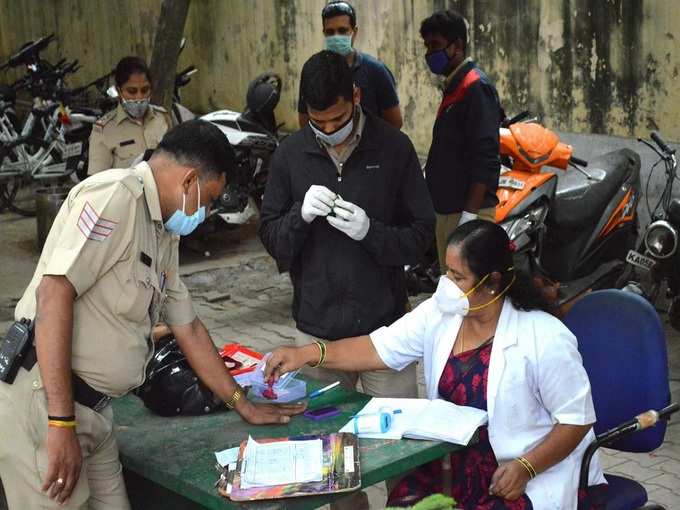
[{"x": 133, "y": 126}]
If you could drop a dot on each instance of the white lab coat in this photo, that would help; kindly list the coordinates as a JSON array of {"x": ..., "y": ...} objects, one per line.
[{"x": 536, "y": 379}]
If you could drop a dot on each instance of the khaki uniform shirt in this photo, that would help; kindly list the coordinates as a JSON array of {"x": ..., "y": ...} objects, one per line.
[
  {"x": 108, "y": 239},
  {"x": 117, "y": 139}
]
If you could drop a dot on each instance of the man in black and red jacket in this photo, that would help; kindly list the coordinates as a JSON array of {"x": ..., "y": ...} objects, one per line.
[{"x": 463, "y": 164}]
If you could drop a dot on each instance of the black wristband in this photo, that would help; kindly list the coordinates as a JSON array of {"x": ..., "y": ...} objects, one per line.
[{"x": 61, "y": 418}]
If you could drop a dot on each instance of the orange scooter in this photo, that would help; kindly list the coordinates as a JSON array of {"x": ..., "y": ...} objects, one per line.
[{"x": 572, "y": 230}]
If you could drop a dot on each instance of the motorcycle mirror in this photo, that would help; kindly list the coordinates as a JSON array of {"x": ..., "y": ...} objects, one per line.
[{"x": 112, "y": 92}]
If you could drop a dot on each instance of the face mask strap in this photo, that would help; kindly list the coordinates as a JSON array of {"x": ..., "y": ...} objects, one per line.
[
  {"x": 501, "y": 294},
  {"x": 198, "y": 183},
  {"x": 469, "y": 292}
]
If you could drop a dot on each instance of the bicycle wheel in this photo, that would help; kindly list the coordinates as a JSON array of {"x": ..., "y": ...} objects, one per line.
[
  {"x": 18, "y": 195},
  {"x": 18, "y": 192}
]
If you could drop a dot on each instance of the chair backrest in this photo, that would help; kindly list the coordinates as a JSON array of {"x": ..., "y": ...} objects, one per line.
[{"x": 622, "y": 342}]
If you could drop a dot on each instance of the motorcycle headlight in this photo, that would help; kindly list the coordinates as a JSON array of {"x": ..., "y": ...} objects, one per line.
[
  {"x": 661, "y": 239},
  {"x": 519, "y": 229}
]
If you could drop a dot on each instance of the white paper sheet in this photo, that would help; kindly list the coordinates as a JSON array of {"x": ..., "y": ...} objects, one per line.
[
  {"x": 226, "y": 457},
  {"x": 279, "y": 463}
]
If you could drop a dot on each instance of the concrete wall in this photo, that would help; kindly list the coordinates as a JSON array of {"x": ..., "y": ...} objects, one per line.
[{"x": 605, "y": 66}]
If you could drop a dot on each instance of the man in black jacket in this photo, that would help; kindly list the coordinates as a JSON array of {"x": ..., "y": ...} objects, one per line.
[
  {"x": 463, "y": 164},
  {"x": 345, "y": 208}
]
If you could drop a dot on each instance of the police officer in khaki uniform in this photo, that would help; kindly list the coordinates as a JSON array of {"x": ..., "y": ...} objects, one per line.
[
  {"x": 133, "y": 127},
  {"x": 108, "y": 270}
]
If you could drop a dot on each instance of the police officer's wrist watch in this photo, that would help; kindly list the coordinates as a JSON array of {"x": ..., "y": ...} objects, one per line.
[{"x": 236, "y": 396}]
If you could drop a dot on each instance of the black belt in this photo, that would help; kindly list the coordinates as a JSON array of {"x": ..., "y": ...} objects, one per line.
[{"x": 83, "y": 393}]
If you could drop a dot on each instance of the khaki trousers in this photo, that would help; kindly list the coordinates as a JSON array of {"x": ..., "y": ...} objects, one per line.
[
  {"x": 447, "y": 223},
  {"x": 377, "y": 383},
  {"x": 23, "y": 451}
]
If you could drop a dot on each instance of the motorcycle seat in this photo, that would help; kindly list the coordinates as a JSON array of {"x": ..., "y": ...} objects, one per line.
[{"x": 579, "y": 199}]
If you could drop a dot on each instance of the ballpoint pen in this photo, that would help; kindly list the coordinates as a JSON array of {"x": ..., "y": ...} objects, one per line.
[{"x": 323, "y": 390}]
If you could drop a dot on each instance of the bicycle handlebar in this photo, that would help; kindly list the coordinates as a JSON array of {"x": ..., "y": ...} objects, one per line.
[
  {"x": 661, "y": 143},
  {"x": 30, "y": 51}
]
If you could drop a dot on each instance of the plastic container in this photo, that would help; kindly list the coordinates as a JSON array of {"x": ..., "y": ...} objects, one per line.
[
  {"x": 293, "y": 391},
  {"x": 287, "y": 388},
  {"x": 375, "y": 423},
  {"x": 372, "y": 423}
]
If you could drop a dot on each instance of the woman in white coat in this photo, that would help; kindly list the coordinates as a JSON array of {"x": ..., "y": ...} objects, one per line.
[{"x": 484, "y": 341}]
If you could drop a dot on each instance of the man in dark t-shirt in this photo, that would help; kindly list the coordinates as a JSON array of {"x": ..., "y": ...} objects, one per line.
[
  {"x": 463, "y": 164},
  {"x": 374, "y": 79}
]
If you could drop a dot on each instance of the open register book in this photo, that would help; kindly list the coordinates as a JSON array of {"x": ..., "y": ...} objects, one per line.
[{"x": 434, "y": 420}]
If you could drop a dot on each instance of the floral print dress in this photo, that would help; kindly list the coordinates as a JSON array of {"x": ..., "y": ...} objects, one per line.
[{"x": 463, "y": 382}]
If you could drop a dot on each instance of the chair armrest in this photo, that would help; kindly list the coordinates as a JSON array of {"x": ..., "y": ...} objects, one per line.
[{"x": 640, "y": 422}]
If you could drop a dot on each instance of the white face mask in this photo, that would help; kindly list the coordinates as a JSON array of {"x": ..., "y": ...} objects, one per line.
[{"x": 450, "y": 298}]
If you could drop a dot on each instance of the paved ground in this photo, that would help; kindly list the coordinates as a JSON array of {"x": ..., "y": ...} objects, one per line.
[{"x": 240, "y": 297}]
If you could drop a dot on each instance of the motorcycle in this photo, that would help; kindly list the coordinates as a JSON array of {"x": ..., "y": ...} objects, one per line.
[
  {"x": 655, "y": 261},
  {"x": 570, "y": 232},
  {"x": 254, "y": 136}
]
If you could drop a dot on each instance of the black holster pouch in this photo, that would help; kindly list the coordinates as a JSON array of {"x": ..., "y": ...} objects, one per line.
[{"x": 15, "y": 348}]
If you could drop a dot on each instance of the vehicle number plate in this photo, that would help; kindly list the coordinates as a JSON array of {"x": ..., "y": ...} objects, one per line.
[
  {"x": 640, "y": 260},
  {"x": 72, "y": 149},
  {"x": 505, "y": 181}
]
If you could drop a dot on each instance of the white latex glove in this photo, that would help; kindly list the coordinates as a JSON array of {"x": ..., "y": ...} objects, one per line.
[
  {"x": 350, "y": 219},
  {"x": 465, "y": 217},
  {"x": 318, "y": 202}
]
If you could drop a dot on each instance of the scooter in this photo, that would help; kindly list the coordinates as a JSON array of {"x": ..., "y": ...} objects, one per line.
[
  {"x": 254, "y": 135},
  {"x": 570, "y": 232},
  {"x": 655, "y": 261}
]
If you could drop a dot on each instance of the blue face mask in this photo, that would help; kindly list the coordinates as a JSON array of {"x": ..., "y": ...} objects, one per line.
[
  {"x": 181, "y": 224},
  {"x": 438, "y": 61},
  {"x": 341, "y": 44}
]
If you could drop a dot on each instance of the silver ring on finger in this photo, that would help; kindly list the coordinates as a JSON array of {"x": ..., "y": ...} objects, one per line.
[{"x": 60, "y": 481}]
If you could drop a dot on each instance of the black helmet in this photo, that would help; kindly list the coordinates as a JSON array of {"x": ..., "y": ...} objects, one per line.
[
  {"x": 172, "y": 387},
  {"x": 264, "y": 93}
]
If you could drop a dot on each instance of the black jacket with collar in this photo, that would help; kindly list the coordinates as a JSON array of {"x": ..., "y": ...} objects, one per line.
[
  {"x": 342, "y": 287},
  {"x": 465, "y": 142}
]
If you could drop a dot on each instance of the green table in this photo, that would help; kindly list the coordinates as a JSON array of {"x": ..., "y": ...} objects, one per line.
[{"x": 173, "y": 458}]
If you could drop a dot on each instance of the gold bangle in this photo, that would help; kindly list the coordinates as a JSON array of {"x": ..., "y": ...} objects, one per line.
[
  {"x": 527, "y": 465},
  {"x": 62, "y": 424},
  {"x": 322, "y": 353},
  {"x": 238, "y": 393}
]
